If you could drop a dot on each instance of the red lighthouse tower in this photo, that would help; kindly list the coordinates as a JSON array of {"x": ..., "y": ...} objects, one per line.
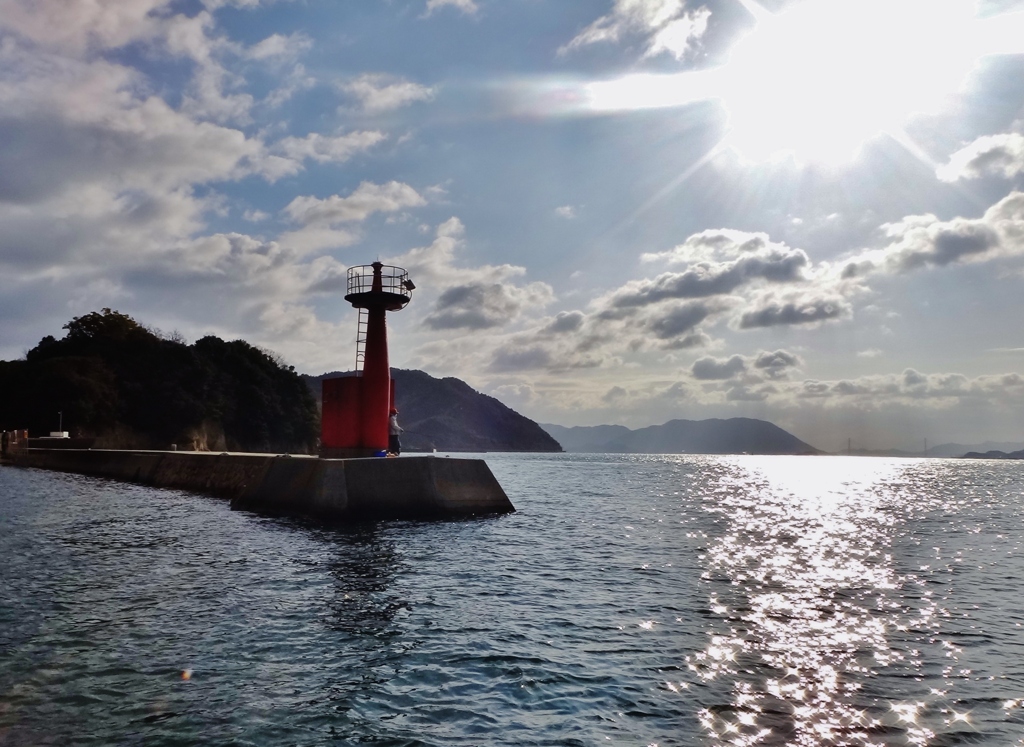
[{"x": 354, "y": 421}]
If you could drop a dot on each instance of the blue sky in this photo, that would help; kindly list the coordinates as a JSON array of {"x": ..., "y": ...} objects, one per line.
[{"x": 618, "y": 211}]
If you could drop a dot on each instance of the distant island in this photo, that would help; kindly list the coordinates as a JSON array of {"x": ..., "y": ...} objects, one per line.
[
  {"x": 944, "y": 451},
  {"x": 995, "y": 455},
  {"x": 449, "y": 415},
  {"x": 714, "y": 436}
]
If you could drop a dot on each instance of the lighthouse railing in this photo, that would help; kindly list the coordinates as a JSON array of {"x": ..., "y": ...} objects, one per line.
[{"x": 393, "y": 279}]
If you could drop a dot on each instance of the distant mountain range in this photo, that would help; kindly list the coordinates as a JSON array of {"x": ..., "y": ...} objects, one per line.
[
  {"x": 714, "y": 436},
  {"x": 449, "y": 415},
  {"x": 995, "y": 454},
  {"x": 959, "y": 450},
  {"x": 951, "y": 450}
]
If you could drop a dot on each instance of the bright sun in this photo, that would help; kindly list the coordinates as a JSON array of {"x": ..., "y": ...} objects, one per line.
[{"x": 822, "y": 77}]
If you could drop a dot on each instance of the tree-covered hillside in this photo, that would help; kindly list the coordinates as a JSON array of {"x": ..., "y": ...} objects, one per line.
[{"x": 117, "y": 381}]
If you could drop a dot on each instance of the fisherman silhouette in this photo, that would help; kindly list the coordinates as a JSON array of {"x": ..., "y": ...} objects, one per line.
[{"x": 394, "y": 431}]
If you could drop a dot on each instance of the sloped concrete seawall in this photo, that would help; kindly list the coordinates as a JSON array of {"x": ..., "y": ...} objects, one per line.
[{"x": 349, "y": 489}]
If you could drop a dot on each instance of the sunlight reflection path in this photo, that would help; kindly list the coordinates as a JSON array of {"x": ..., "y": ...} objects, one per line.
[{"x": 800, "y": 577}]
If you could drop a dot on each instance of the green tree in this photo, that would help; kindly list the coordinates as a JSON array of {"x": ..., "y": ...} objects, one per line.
[{"x": 112, "y": 376}]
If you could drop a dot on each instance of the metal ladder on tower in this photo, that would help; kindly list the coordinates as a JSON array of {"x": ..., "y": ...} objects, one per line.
[{"x": 361, "y": 326}]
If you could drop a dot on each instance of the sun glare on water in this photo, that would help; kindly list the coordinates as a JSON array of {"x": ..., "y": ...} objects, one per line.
[{"x": 820, "y": 78}]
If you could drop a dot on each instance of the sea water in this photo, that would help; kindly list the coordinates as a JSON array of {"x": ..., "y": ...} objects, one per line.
[{"x": 631, "y": 600}]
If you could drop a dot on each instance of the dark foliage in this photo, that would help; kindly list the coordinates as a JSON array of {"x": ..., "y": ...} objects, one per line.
[{"x": 120, "y": 382}]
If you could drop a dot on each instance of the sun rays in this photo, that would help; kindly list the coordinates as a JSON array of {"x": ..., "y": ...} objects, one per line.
[{"x": 819, "y": 79}]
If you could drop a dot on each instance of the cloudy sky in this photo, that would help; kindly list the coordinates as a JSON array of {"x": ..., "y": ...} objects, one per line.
[{"x": 615, "y": 211}]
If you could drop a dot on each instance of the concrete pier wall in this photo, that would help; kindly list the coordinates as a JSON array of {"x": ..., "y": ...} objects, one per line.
[{"x": 349, "y": 489}]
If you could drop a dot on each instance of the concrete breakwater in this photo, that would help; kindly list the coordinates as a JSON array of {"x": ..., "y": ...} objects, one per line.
[{"x": 349, "y": 489}]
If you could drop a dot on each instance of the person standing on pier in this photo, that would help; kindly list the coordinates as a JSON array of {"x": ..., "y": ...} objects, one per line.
[{"x": 394, "y": 431}]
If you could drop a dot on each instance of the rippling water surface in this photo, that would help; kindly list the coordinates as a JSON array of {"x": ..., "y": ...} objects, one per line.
[{"x": 632, "y": 600}]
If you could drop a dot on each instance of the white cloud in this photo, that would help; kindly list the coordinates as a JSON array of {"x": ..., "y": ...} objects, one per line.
[
  {"x": 937, "y": 390},
  {"x": 102, "y": 170},
  {"x": 664, "y": 22},
  {"x": 921, "y": 241},
  {"x": 515, "y": 396},
  {"x": 229, "y": 284},
  {"x": 104, "y": 201},
  {"x": 565, "y": 322},
  {"x": 677, "y": 37},
  {"x": 730, "y": 276},
  {"x": 676, "y": 322},
  {"x": 78, "y": 26},
  {"x": 189, "y": 36},
  {"x": 436, "y": 262},
  {"x": 628, "y": 15},
  {"x": 317, "y": 238},
  {"x": 777, "y": 364},
  {"x": 209, "y": 98},
  {"x": 993, "y": 155},
  {"x": 296, "y": 80},
  {"x": 279, "y": 46},
  {"x": 926, "y": 241},
  {"x": 212, "y": 93},
  {"x": 322, "y": 221},
  {"x": 516, "y": 358},
  {"x": 486, "y": 305},
  {"x": 478, "y": 308},
  {"x": 711, "y": 369},
  {"x": 79, "y": 122},
  {"x": 566, "y": 211},
  {"x": 328, "y": 148},
  {"x": 772, "y": 263},
  {"x": 365, "y": 200},
  {"x": 717, "y": 244},
  {"x": 233, "y": 258},
  {"x": 126, "y": 145},
  {"x": 378, "y": 92},
  {"x": 469, "y": 7},
  {"x": 878, "y": 392},
  {"x": 793, "y": 308}
]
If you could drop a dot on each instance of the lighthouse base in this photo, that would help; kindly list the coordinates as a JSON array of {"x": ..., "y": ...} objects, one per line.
[
  {"x": 348, "y": 453},
  {"x": 423, "y": 487},
  {"x": 408, "y": 488}
]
